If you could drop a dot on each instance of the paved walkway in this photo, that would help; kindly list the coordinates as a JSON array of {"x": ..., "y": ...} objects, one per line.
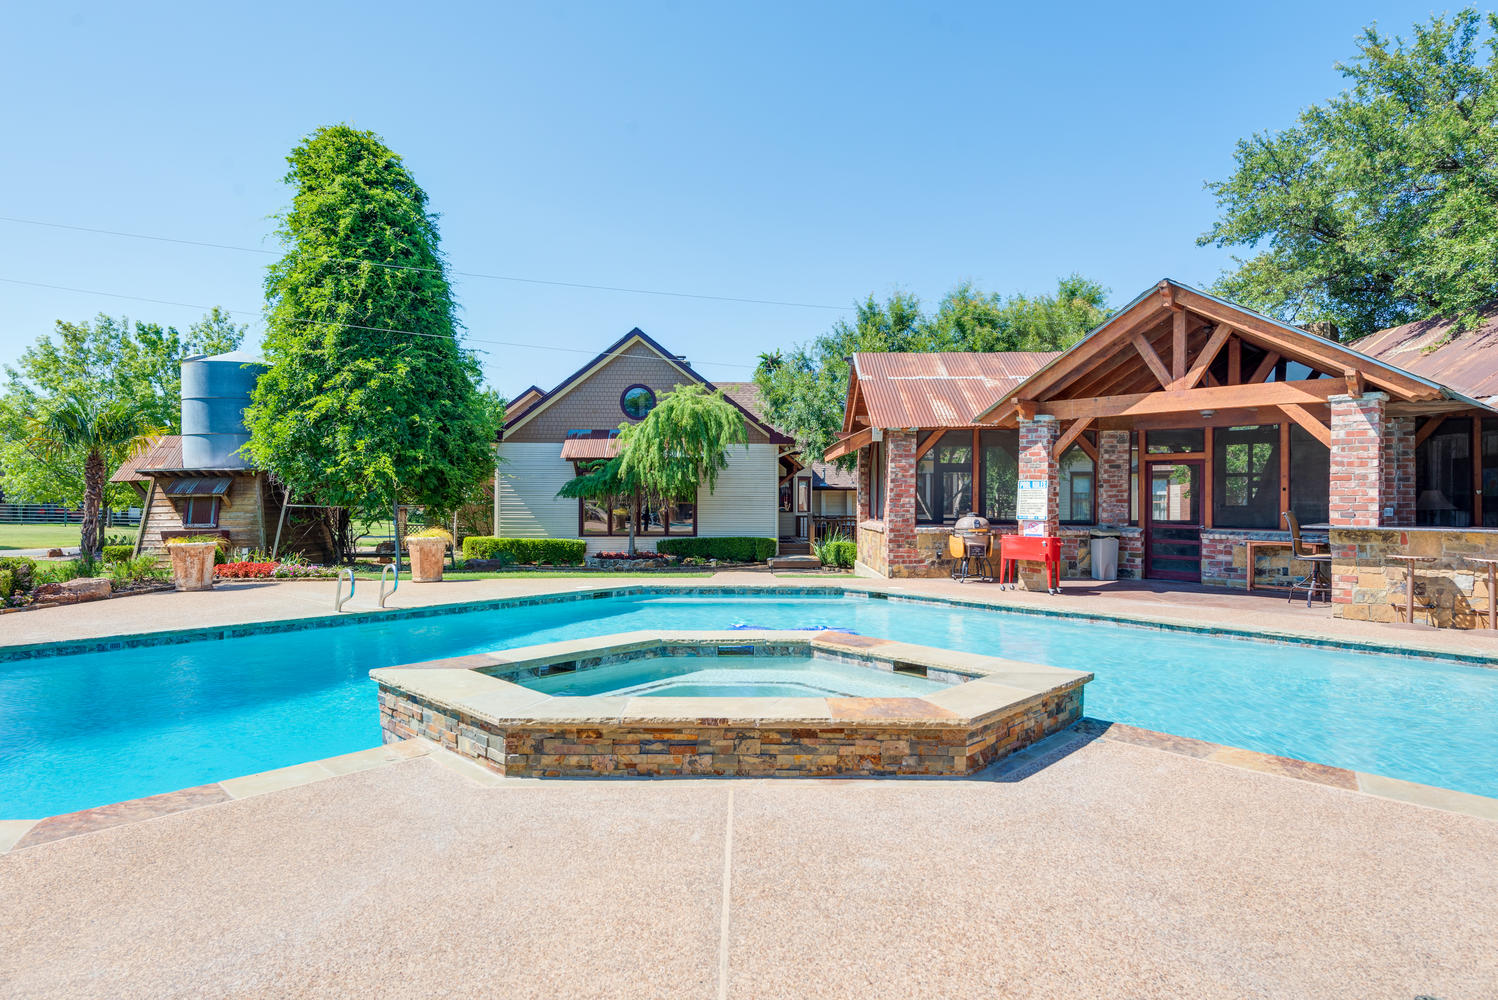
[{"x": 1114, "y": 870}]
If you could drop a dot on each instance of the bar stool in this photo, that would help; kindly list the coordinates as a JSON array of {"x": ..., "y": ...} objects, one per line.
[
  {"x": 1492, "y": 565},
  {"x": 1428, "y": 606}
]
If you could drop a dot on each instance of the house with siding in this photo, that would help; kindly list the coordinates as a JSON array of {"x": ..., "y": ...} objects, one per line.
[{"x": 549, "y": 438}]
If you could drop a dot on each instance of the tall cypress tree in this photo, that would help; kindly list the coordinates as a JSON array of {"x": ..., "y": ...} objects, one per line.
[{"x": 370, "y": 398}]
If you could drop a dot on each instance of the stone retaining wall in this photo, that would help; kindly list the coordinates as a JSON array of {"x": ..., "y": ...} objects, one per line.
[{"x": 766, "y": 749}]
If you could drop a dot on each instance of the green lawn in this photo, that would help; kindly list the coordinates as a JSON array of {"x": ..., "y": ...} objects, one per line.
[{"x": 41, "y": 536}]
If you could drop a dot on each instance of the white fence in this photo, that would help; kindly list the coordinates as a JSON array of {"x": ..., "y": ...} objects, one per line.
[{"x": 47, "y": 513}]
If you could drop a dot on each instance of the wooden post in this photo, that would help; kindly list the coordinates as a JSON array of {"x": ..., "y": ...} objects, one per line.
[
  {"x": 1178, "y": 346},
  {"x": 1207, "y": 477},
  {"x": 1144, "y": 489},
  {"x": 1235, "y": 361},
  {"x": 1284, "y": 469},
  {"x": 977, "y": 507}
]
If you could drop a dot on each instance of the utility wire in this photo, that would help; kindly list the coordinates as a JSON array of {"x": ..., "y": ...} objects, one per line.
[
  {"x": 330, "y": 322},
  {"x": 429, "y": 270}
]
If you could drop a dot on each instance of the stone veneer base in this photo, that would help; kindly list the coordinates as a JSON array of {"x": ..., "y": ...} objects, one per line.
[{"x": 999, "y": 707}]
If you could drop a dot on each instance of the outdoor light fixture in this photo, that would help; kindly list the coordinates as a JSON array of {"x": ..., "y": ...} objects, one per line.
[{"x": 1208, "y": 414}]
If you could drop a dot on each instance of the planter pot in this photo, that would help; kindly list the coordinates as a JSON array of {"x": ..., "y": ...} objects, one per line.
[
  {"x": 192, "y": 564},
  {"x": 427, "y": 555}
]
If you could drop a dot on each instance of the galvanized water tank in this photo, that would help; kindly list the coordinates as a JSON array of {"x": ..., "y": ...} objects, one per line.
[{"x": 215, "y": 392}]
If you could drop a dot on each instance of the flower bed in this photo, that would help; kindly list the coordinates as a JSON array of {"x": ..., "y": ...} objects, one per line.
[{"x": 245, "y": 570}]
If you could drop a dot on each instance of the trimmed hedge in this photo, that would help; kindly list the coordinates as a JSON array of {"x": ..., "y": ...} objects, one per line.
[
  {"x": 527, "y": 551},
  {"x": 840, "y": 554},
  {"x": 119, "y": 553},
  {"x": 726, "y": 549}
]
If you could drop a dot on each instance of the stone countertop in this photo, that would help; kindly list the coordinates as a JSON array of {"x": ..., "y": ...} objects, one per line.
[{"x": 1423, "y": 529}]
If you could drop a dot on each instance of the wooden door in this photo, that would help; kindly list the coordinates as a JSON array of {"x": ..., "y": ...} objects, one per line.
[{"x": 1173, "y": 520}]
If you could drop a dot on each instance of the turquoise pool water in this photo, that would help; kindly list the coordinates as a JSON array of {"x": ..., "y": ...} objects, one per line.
[
  {"x": 83, "y": 730},
  {"x": 735, "y": 677}
]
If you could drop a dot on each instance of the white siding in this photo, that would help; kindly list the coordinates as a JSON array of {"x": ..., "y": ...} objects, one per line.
[
  {"x": 529, "y": 477},
  {"x": 747, "y": 501}
]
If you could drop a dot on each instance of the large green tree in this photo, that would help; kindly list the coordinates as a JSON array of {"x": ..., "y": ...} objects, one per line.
[
  {"x": 108, "y": 360},
  {"x": 370, "y": 396},
  {"x": 683, "y": 444},
  {"x": 1379, "y": 206},
  {"x": 804, "y": 391}
]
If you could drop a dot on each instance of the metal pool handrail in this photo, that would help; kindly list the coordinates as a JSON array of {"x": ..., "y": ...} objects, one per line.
[
  {"x": 338, "y": 597},
  {"x": 389, "y": 568}
]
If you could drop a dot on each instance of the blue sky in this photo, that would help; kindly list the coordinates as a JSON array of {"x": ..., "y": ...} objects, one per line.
[{"x": 810, "y": 152}]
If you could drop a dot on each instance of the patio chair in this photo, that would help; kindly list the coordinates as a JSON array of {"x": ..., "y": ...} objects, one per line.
[{"x": 1318, "y": 572}]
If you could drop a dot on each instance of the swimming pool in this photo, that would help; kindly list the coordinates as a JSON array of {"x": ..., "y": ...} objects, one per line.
[{"x": 82, "y": 730}]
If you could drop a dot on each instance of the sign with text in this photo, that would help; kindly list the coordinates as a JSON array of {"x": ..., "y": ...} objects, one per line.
[{"x": 1030, "y": 504}]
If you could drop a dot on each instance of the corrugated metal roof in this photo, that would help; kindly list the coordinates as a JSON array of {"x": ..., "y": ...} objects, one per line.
[
  {"x": 1467, "y": 363},
  {"x": 946, "y": 389},
  {"x": 583, "y": 449},
  {"x": 166, "y": 453}
]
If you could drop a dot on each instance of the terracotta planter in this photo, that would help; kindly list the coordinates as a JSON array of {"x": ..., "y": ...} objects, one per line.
[
  {"x": 427, "y": 555},
  {"x": 192, "y": 564}
]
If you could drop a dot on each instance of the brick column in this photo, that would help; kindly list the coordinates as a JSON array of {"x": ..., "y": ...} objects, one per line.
[
  {"x": 865, "y": 467},
  {"x": 1399, "y": 472},
  {"x": 899, "y": 501},
  {"x": 1037, "y": 462},
  {"x": 1357, "y": 460},
  {"x": 1113, "y": 477}
]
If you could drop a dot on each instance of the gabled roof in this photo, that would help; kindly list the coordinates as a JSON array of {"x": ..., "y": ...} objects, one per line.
[
  {"x": 164, "y": 453},
  {"x": 1467, "y": 362},
  {"x": 634, "y": 336},
  {"x": 522, "y": 402},
  {"x": 830, "y": 476},
  {"x": 946, "y": 389}
]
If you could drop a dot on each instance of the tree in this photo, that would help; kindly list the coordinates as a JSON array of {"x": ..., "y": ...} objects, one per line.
[
  {"x": 804, "y": 392},
  {"x": 370, "y": 398},
  {"x": 104, "y": 433},
  {"x": 1379, "y": 206},
  {"x": 680, "y": 446},
  {"x": 106, "y": 360}
]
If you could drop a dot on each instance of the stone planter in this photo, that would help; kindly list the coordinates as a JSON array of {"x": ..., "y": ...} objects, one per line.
[
  {"x": 192, "y": 564},
  {"x": 427, "y": 555}
]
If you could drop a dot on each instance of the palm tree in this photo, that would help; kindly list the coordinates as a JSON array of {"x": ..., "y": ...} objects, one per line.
[{"x": 103, "y": 431}]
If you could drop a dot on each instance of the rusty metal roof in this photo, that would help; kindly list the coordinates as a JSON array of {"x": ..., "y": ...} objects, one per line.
[
  {"x": 166, "y": 453},
  {"x": 946, "y": 389},
  {"x": 1466, "y": 362},
  {"x": 584, "y": 446}
]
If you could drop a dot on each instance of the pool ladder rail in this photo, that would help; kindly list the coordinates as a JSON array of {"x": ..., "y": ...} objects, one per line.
[{"x": 386, "y": 574}]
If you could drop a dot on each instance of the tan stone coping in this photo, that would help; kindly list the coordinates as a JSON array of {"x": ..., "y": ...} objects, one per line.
[{"x": 992, "y": 685}]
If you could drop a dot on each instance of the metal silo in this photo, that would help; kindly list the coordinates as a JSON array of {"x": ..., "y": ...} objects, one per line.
[{"x": 215, "y": 392}]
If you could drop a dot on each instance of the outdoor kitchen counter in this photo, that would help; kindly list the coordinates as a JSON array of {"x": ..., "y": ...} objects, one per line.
[{"x": 1368, "y": 585}]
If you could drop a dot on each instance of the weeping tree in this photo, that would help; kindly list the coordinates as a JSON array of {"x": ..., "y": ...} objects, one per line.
[
  {"x": 680, "y": 446},
  {"x": 104, "y": 433},
  {"x": 370, "y": 399}
]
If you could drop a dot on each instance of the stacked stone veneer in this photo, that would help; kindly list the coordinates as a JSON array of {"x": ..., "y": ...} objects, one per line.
[
  {"x": 714, "y": 747},
  {"x": 1368, "y": 587},
  {"x": 1225, "y": 559}
]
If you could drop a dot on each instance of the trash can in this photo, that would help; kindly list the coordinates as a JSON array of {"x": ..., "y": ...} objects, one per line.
[{"x": 1103, "y": 544}]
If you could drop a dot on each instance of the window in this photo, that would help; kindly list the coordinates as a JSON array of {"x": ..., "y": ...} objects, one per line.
[
  {"x": 1443, "y": 475},
  {"x": 1310, "y": 477},
  {"x": 1000, "y": 473},
  {"x": 803, "y": 495},
  {"x": 1176, "y": 441},
  {"x": 1246, "y": 477},
  {"x": 1490, "y": 473},
  {"x": 785, "y": 495},
  {"x": 200, "y": 512},
  {"x": 944, "y": 479},
  {"x": 636, "y": 401},
  {"x": 1076, "y": 473},
  {"x": 608, "y": 517}
]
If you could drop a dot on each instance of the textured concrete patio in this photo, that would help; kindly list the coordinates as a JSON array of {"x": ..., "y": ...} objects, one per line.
[{"x": 1094, "y": 869}]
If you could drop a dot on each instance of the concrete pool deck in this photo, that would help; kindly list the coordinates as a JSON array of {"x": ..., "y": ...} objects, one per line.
[{"x": 1087, "y": 867}]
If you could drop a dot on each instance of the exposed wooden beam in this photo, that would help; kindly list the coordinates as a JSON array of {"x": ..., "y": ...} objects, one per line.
[
  {"x": 1025, "y": 409},
  {"x": 1205, "y": 358},
  {"x": 1185, "y": 400},
  {"x": 1151, "y": 359},
  {"x": 1354, "y": 379},
  {"x": 1211, "y": 379},
  {"x": 849, "y": 443},
  {"x": 1071, "y": 434},
  {"x": 1428, "y": 429},
  {"x": 1265, "y": 367},
  {"x": 926, "y": 445},
  {"x": 1087, "y": 447},
  {"x": 1284, "y": 475},
  {"x": 1235, "y": 361},
  {"x": 1321, "y": 432},
  {"x": 1233, "y": 417},
  {"x": 1168, "y": 296},
  {"x": 1178, "y": 346}
]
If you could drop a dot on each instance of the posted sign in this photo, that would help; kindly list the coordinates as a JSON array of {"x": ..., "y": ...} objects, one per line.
[{"x": 1030, "y": 505}]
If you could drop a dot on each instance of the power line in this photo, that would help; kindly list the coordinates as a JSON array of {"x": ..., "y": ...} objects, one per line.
[
  {"x": 325, "y": 322},
  {"x": 430, "y": 270}
]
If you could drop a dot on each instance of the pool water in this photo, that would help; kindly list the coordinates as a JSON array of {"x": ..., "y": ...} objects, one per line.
[
  {"x": 735, "y": 677},
  {"x": 84, "y": 730}
]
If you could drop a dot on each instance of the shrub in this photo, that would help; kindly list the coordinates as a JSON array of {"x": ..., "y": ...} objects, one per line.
[
  {"x": 441, "y": 533},
  {"x": 137, "y": 569},
  {"x": 17, "y": 576},
  {"x": 220, "y": 554},
  {"x": 836, "y": 550},
  {"x": 245, "y": 570},
  {"x": 118, "y": 553},
  {"x": 725, "y": 549},
  {"x": 529, "y": 551}
]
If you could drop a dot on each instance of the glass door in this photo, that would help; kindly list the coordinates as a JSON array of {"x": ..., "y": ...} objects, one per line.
[{"x": 1173, "y": 532}]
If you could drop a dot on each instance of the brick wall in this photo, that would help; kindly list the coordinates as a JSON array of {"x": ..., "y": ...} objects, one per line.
[
  {"x": 1037, "y": 461},
  {"x": 1357, "y": 459},
  {"x": 1113, "y": 477},
  {"x": 1399, "y": 471},
  {"x": 899, "y": 503}
]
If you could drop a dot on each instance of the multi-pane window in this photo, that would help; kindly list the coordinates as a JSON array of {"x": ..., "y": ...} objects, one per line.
[
  {"x": 1077, "y": 474},
  {"x": 1443, "y": 475},
  {"x": 944, "y": 479},
  {"x": 1246, "y": 469},
  {"x": 1000, "y": 470}
]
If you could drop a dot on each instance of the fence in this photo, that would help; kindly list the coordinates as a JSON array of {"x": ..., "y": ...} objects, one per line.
[{"x": 47, "y": 513}]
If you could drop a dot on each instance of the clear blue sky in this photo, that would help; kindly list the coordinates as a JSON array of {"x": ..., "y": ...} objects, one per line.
[{"x": 807, "y": 152}]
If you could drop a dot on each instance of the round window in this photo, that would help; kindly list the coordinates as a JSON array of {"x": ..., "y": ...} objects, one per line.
[{"x": 637, "y": 401}]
